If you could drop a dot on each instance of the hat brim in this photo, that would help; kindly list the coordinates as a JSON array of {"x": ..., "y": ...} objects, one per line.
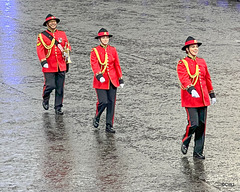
[
  {"x": 45, "y": 23},
  {"x": 184, "y": 48},
  {"x": 102, "y": 36}
]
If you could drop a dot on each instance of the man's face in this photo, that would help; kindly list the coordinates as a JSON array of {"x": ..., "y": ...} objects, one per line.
[
  {"x": 193, "y": 49},
  {"x": 104, "y": 40},
  {"x": 52, "y": 24}
]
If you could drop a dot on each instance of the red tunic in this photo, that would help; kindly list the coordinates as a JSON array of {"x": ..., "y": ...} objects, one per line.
[
  {"x": 55, "y": 59},
  {"x": 113, "y": 71},
  {"x": 203, "y": 85}
]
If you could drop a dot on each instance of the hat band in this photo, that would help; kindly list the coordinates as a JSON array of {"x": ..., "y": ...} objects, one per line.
[
  {"x": 103, "y": 34},
  {"x": 191, "y": 42},
  {"x": 50, "y": 18}
]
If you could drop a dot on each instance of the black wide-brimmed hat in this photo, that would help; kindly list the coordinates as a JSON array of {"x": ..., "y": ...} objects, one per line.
[
  {"x": 103, "y": 32},
  {"x": 50, "y": 17},
  {"x": 190, "y": 41}
]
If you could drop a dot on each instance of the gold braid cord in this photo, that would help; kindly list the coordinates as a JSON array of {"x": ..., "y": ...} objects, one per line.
[
  {"x": 104, "y": 64},
  {"x": 194, "y": 77},
  {"x": 48, "y": 47}
]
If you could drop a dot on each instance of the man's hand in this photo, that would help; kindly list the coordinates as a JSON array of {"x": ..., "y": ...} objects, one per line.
[
  {"x": 102, "y": 79},
  {"x": 65, "y": 55},
  {"x": 121, "y": 82},
  {"x": 194, "y": 94},
  {"x": 213, "y": 100},
  {"x": 45, "y": 65}
]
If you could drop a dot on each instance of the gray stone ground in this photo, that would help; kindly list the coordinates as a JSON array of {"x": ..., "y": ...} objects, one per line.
[{"x": 43, "y": 152}]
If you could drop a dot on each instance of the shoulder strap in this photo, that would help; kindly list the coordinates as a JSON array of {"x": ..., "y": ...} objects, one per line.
[
  {"x": 50, "y": 37},
  {"x": 195, "y": 76},
  {"x": 188, "y": 71},
  {"x": 98, "y": 57},
  {"x": 99, "y": 60}
]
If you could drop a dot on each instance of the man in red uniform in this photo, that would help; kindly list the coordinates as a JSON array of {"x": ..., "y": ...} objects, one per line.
[
  {"x": 51, "y": 49},
  {"x": 107, "y": 77},
  {"x": 196, "y": 87}
]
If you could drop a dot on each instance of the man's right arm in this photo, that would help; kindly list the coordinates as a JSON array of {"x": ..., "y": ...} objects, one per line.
[{"x": 41, "y": 53}]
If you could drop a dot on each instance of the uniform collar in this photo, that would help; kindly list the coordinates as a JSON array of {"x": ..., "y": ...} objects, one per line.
[
  {"x": 52, "y": 31},
  {"x": 103, "y": 46},
  {"x": 192, "y": 57}
]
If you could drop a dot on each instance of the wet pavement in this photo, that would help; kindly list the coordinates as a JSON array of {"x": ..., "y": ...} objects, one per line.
[{"x": 44, "y": 152}]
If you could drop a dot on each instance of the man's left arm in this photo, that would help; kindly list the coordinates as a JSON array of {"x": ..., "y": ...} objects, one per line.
[
  {"x": 210, "y": 87},
  {"x": 68, "y": 48},
  {"x": 118, "y": 68}
]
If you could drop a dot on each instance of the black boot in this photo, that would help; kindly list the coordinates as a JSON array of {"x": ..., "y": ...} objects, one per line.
[
  {"x": 184, "y": 149},
  {"x": 58, "y": 111},
  {"x": 45, "y": 104},
  {"x": 198, "y": 155},
  {"x": 110, "y": 129},
  {"x": 95, "y": 122}
]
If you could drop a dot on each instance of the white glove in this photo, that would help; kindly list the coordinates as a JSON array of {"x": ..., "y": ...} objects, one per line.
[
  {"x": 194, "y": 94},
  {"x": 122, "y": 85},
  {"x": 213, "y": 101},
  {"x": 45, "y": 65},
  {"x": 102, "y": 79},
  {"x": 65, "y": 54}
]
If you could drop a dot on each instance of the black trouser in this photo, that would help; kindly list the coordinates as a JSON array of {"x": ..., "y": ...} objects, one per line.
[
  {"x": 54, "y": 81},
  {"x": 196, "y": 124},
  {"x": 106, "y": 98}
]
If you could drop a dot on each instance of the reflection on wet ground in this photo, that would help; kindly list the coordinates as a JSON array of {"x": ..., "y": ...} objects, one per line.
[
  {"x": 44, "y": 152},
  {"x": 195, "y": 174},
  {"x": 109, "y": 172},
  {"x": 57, "y": 160}
]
